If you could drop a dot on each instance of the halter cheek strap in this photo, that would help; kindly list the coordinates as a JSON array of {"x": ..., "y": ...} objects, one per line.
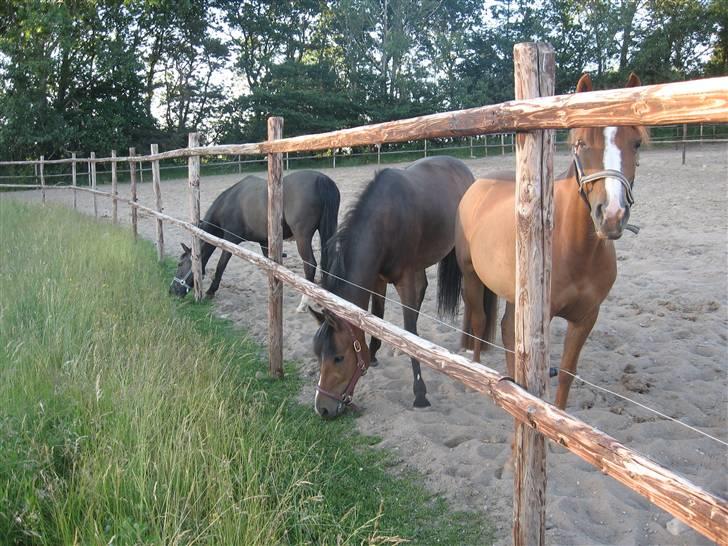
[
  {"x": 583, "y": 179},
  {"x": 183, "y": 281},
  {"x": 346, "y": 397}
]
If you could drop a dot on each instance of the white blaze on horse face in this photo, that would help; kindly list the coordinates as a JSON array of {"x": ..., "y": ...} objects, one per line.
[{"x": 612, "y": 161}]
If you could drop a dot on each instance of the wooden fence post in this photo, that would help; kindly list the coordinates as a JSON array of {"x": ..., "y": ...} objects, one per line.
[
  {"x": 114, "y": 190},
  {"x": 141, "y": 172},
  {"x": 503, "y": 144},
  {"x": 275, "y": 250},
  {"x": 133, "y": 183},
  {"x": 288, "y": 165},
  {"x": 379, "y": 154},
  {"x": 333, "y": 155},
  {"x": 73, "y": 181},
  {"x": 685, "y": 137},
  {"x": 42, "y": 179},
  {"x": 534, "y": 69},
  {"x": 425, "y": 148},
  {"x": 240, "y": 165},
  {"x": 158, "y": 197},
  {"x": 193, "y": 186},
  {"x": 92, "y": 166}
]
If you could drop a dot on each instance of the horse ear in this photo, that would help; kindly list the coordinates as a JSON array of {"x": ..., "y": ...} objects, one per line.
[
  {"x": 320, "y": 316},
  {"x": 633, "y": 80},
  {"x": 585, "y": 84},
  {"x": 185, "y": 248}
]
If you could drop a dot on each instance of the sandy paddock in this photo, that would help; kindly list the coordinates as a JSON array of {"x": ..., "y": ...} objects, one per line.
[{"x": 661, "y": 339}]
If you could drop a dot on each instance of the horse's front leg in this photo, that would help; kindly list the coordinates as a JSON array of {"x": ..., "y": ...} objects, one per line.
[
  {"x": 576, "y": 334},
  {"x": 221, "y": 265},
  {"x": 377, "y": 310},
  {"x": 305, "y": 251},
  {"x": 411, "y": 289}
]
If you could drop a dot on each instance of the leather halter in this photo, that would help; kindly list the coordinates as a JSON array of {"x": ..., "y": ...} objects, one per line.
[
  {"x": 346, "y": 397},
  {"x": 183, "y": 281},
  {"x": 583, "y": 179}
]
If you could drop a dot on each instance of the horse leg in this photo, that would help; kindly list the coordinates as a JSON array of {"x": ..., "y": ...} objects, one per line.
[
  {"x": 411, "y": 291},
  {"x": 305, "y": 251},
  {"x": 221, "y": 265},
  {"x": 473, "y": 291},
  {"x": 378, "y": 311},
  {"x": 508, "y": 333},
  {"x": 576, "y": 334}
]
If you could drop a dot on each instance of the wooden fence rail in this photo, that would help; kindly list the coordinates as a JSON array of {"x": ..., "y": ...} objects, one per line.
[
  {"x": 696, "y": 101},
  {"x": 698, "y": 508}
]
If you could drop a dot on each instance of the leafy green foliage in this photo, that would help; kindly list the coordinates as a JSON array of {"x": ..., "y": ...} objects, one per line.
[{"x": 100, "y": 74}]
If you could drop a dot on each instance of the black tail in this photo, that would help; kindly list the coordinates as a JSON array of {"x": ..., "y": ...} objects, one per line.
[
  {"x": 330, "y": 199},
  {"x": 449, "y": 285}
]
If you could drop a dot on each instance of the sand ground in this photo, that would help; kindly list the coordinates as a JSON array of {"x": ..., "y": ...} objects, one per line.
[{"x": 661, "y": 339}]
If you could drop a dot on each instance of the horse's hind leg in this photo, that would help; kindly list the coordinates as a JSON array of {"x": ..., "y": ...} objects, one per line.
[
  {"x": 221, "y": 265},
  {"x": 411, "y": 291},
  {"x": 305, "y": 251},
  {"x": 377, "y": 310},
  {"x": 576, "y": 334},
  {"x": 473, "y": 290}
]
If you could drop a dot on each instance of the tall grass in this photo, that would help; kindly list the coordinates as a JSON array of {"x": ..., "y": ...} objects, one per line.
[{"x": 129, "y": 418}]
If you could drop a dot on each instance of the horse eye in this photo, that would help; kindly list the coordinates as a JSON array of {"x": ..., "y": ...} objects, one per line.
[
  {"x": 338, "y": 359},
  {"x": 638, "y": 145}
]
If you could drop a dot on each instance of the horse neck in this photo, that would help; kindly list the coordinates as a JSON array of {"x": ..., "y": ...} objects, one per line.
[
  {"x": 363, "y": 258},
  {"x": 574, "y": 225}
]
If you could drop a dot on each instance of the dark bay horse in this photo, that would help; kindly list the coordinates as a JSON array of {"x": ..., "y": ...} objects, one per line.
[
  {"x": 592, "y": 203},
  {"x": 240, "y": 213},
  {"x": 402, "y": 223}
]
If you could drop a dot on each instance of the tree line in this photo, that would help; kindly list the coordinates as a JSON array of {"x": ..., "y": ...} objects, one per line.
[{"x": 82, "y": 75}]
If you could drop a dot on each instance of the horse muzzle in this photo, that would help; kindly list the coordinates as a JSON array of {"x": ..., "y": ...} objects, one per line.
[{"x": 610, "y": 224}]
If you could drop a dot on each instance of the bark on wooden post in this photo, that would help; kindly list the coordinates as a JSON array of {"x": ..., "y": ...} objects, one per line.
[
  {"x": 275, "y": 250},
  {"x": 534, "y": 69},
  {"x": 133, "y": 182},
  {"x": 92, "y": 166},
  {"x": 42, "y": 179},
  {"x": 114, "y": 190},
  {"x": 685, "y": 137},
  {"x": 193, "y": 185},
  {"x": 73, "y": 181},
  {"x": 158, "y": 197}
]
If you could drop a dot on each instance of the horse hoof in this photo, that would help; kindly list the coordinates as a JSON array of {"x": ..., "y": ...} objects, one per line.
[
  {"x": 209, "y": 295},
  {"x": 553, "y": 372},
  {"x": 373, "y": 363},
  {"x": 421, "y": 402}
]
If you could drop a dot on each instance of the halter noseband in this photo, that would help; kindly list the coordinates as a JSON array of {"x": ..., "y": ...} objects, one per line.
[
  {"x": 346, "y": 397},
  {"x": 582, "y": 179},
  {"x": 183, "y": 281}
]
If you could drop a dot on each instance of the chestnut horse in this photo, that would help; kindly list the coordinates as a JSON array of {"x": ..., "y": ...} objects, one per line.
[
  {"x": 403, "y": 222},
  {"x": 592, "y": 203}
]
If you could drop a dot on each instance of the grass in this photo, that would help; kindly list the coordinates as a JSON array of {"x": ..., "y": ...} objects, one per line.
[{"x": 129, "y": 418}]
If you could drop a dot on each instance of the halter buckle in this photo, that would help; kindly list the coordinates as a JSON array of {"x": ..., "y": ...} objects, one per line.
[{"x": 357, "y": 346}]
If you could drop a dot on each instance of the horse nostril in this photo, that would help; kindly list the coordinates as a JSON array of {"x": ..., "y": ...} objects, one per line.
[
  {"x": 599, "y": 212},
  {"x": 324, "y": 412}
]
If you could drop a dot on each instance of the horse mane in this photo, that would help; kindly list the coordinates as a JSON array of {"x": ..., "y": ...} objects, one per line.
[{"x": 343, "y": 240}]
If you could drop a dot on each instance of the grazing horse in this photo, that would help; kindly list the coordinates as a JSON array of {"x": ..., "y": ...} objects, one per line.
[
  {"x": 240, "y": 213},
  {"x": 402, "y": 223},
  {"x": 592, "y": 203}
]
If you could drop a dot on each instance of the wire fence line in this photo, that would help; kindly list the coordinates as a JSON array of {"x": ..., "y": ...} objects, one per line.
[{"x": 420, "y": 313}]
